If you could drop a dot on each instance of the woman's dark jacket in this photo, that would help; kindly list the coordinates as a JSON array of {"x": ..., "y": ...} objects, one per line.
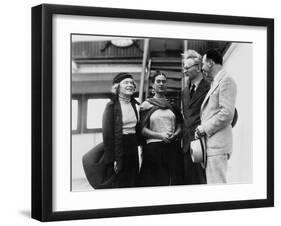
[{"x": 112, "y": 130}]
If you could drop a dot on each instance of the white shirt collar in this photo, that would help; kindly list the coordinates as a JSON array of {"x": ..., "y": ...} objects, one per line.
[
  {"x": 217, "y": 76},
  {"x": 196, "y": 82}
]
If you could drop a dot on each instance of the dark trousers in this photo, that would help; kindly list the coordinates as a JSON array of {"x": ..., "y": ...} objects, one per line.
[
  {"x": 127, "y": 176},
  {"x": 193, "y": 172},
  {"x": 162, "y": 165}
]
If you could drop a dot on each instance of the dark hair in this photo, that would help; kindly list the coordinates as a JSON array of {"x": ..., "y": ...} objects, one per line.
[
  {"x": 157, "y": 73},
  {"x": 214, "y": 55}
]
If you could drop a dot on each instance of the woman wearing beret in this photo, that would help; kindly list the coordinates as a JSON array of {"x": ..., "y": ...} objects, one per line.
[
  {"x": 120, "y": 128},
  {"x": 161, "y": 126}
]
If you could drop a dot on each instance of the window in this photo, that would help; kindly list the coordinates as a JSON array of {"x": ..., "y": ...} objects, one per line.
[
  {"x": 74, "y": 115},
  {"x": 95, "y": 109},
  {"x": 87, "y": 112}
]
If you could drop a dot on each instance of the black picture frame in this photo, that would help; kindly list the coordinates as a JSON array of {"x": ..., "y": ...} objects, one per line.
[{"x": 42, "y": 107}]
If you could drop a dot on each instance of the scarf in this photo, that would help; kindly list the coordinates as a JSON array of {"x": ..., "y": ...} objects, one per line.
[{"x": 155, "y": 104}]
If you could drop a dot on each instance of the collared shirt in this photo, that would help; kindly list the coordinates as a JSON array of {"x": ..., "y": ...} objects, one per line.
[
  {"x": 196, "y": 82},
  {"x": 216, "y": 76}
]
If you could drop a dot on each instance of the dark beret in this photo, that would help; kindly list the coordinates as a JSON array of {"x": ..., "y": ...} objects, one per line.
[{"x": 121, "y": 76}]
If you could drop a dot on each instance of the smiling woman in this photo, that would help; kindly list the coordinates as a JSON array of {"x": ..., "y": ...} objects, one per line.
[{"x": 120, "y": 131}]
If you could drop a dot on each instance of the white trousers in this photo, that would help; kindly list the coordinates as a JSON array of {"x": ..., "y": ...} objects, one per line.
[{"x": 216, "y": 169}]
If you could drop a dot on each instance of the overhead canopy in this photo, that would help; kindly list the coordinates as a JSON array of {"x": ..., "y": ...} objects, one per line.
[
  {"x": 95, "y": 61},
  {"x": 98, "y": 78}
]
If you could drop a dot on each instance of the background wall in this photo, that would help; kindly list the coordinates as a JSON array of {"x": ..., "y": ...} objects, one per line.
[
  {"x": 238, "y": 63},
  {"x": 15, "y": 90}
]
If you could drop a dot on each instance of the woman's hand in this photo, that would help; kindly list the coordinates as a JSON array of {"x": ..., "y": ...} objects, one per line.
[
  {"x": 173, "y": 137},
  {"x": 165, "y": 136},
  {"x": 117, "y": 166}
]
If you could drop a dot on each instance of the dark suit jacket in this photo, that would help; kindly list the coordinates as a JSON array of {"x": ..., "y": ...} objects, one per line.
[{"x": 191, "y": 111}]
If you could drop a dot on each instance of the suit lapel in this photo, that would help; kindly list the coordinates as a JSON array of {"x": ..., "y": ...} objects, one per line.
[
  {"x": 201, "y": 89},
  {"x": 213, "y": 87},
  {"x": 186, "y": 95}
]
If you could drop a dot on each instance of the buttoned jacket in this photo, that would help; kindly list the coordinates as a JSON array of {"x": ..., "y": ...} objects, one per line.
[
  {"x": 217, "y": 112},
  {"x": 191, "y": 111}
]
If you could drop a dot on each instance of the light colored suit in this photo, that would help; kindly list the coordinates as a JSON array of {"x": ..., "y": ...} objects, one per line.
[{"x": 217, "y": 111}]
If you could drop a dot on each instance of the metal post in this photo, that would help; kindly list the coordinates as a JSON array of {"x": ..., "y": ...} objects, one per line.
[
  {"x": 185, "y": 48},
  {"x": 144, "y": 59},
  {"x": 185, "y": 45},
  {"x": 147, "y": 79}
]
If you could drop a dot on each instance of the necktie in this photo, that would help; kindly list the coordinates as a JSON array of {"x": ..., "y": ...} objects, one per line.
[{"x": 192, "y": 90}]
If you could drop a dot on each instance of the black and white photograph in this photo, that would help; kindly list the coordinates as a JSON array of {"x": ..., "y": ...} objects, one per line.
[
  {"x": 142, "y": 112},
  {"x": 149, "y": 112}
]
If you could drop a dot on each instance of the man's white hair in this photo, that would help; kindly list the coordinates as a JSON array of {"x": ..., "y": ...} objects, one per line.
[{"x": 191, "y": 57}]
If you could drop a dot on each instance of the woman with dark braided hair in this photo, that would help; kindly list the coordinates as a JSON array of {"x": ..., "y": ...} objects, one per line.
[{"x": 161, "y": 126}]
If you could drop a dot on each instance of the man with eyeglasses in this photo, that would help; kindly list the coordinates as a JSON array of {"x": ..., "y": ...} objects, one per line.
[{"x": 192, "y": 97}]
